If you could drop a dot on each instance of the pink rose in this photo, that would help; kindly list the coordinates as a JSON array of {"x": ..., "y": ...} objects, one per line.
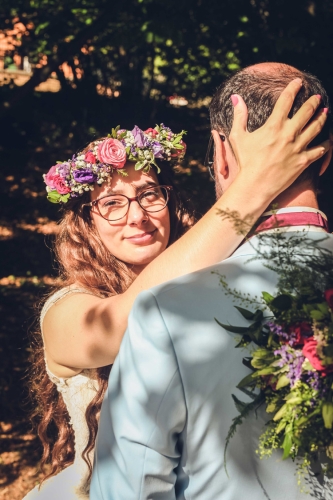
[
  {"x": 302, "y": 332},
  {"x": 151, "y": 131},
  {"x": 329, "y": 297},
  {"x": 49, "y": 177},
  {"x": 112, "y": 152},
  {"x": 60, "y": 186},
  {"x": 90, "y": 157},
  {"x": 310, "y": 352}
]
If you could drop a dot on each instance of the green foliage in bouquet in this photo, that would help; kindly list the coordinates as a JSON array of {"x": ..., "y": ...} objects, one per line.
[{"x": 290, "y": 338}]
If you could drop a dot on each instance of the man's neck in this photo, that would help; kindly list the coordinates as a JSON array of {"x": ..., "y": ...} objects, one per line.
[{"x": 294, "y": 197}]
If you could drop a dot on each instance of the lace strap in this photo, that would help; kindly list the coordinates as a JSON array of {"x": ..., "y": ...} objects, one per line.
[{"x": 58, "y": 295}]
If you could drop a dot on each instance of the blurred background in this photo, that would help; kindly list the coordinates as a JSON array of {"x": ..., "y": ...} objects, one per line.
[{"x": 69, "y": 71}]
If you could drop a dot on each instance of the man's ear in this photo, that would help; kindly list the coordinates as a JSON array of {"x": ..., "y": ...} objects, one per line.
[
  {"x": 326, "y": 161},
  {"x": 220, "y": 157}
]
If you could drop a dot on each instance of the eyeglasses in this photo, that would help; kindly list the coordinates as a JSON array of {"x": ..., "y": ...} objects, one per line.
[
  {"x": 209, "y": 158},
  {"x": 114, "y": 207}
]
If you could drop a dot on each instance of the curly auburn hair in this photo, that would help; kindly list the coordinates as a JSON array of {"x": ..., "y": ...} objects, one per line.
[{"x": 84, "y": 260}]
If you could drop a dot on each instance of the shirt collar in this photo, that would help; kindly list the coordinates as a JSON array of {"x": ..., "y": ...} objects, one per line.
[{"x": 288, "y": 210}]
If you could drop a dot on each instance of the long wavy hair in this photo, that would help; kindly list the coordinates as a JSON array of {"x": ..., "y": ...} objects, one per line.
[{"x": 83, "y": 259}]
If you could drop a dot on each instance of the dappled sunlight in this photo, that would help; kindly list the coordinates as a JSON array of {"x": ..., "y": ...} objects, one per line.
[
  {"x": 18, "y": 281},
  {"x": 19, "y": 453},
  {"x": 42, "y": 226}
]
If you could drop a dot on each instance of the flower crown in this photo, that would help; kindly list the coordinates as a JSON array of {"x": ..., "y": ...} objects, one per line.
[{"x": 74, "y": 177}]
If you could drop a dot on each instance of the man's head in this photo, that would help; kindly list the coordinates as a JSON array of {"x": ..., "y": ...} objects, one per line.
[{"x": 260, "y": 86}]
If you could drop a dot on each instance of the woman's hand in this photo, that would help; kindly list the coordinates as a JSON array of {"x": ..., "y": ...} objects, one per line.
[{"x": 276, "y": 154}]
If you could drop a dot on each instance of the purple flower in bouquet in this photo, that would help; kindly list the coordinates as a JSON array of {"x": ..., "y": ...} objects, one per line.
[
  {"x": 84, "y": 176},
  {"x": 140, "y": 140},
  {"x": 277, "y": 330},
  {"x": 157, "y": 149},
  {"x": 286, "y": 356},
  {"x": 295, "y": 368}
]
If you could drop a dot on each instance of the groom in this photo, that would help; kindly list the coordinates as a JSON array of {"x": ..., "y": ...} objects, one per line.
[{"x": 169, "y": 408}]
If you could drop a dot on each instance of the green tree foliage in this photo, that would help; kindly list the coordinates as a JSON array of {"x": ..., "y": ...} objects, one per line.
[{"x": 154, "y": 48}]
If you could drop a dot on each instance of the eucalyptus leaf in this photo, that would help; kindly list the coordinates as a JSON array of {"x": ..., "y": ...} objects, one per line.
[
  {"x": 245, "y": 313},
  {"x": 246, "y": 381},
  {"x": 233, "y": 329},
  {"x": 247, "y": 362},
  {"x": 282, "y": 302}
]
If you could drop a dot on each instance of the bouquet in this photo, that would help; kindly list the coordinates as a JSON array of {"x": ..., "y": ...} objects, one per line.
[{"x": 290, "y": 336}]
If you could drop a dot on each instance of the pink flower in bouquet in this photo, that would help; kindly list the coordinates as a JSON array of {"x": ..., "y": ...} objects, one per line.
[
  {"x": 329, "y": 297},
  {"x": 90, "y": 157},
  {"x": 60, "y": 185},
  {"x": 151, "y": 131},
  {"x": 310, "y": 352},
  {"x": 50, "y": 176},
  {"x": 302, "y": 332},
  {"x": 112, "y": 152}
]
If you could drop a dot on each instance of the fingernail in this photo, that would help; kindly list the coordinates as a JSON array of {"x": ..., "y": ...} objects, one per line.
[
  {"x": 234, "y": 100},
  {"x": 318, "y": 96},
  {"x": 325, "y": 110},
  {"x": 299, "y": 80}
]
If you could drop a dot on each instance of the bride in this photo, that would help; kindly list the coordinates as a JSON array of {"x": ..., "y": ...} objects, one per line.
[{"x": 124, "y": 229}]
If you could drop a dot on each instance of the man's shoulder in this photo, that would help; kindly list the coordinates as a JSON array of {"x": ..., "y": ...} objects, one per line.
[{"x": 248, "y": 262}]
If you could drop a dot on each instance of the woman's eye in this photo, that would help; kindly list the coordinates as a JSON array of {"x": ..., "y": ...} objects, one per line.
[
  {"x": 149, "y": 194},
  {"x": 113, "y": 203}
]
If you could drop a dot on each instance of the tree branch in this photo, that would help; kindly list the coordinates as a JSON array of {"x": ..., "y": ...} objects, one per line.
[{"x": 64, "y": 52}]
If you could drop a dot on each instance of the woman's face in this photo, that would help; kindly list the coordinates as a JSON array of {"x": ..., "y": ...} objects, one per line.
[{"x": 140, "y": 236}]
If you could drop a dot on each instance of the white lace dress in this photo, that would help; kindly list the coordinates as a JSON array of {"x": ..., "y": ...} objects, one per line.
[{"x": 77, "y": 392}]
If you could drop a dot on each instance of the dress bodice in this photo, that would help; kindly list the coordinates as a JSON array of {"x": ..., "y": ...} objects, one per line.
[{"x": 77, "y": 392}]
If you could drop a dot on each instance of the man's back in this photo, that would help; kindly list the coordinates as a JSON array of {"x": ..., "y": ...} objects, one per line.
[{"x": 169, "y": 407}]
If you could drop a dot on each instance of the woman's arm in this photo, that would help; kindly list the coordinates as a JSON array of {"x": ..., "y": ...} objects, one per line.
[{"x": 85, "y": 332}]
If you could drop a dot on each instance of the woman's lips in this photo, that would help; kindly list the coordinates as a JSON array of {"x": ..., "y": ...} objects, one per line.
[{"x": 141, "y": 238}]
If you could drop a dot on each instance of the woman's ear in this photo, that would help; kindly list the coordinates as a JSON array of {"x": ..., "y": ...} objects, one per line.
[{"x": 220, "y": 158}]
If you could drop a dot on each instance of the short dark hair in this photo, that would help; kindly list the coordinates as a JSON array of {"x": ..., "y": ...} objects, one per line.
[{"x": 260, "y": 91}]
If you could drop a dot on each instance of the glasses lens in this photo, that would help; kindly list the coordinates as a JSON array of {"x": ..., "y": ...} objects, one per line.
[
  {"x": 113, "y": 207},
  {"x": 153, "y": 199}
]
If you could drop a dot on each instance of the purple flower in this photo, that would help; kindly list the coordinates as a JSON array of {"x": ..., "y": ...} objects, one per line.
[
  {"x": 84, "y": 176},
  {"x": 157, "y": 149},
  {"x": 64, "y": 169},
  {"x": 294, "y": 360},
  {"x": 140, "y": 140},
  {"x": 277, "y": 330},
  {"x": 295, "y": 368}
]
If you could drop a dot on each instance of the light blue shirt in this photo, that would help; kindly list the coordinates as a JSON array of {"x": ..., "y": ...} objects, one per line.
[{"x": 168, "y": 407}]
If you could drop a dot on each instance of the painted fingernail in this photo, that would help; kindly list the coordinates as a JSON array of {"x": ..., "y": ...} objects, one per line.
[
  {"x": 234, "y": 100},
  {"x": 325, "y": 110},
  {"x": 318, "y": 96}
]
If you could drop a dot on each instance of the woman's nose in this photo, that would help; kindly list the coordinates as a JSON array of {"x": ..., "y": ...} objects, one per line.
[{"x": 136, "y": 214}]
